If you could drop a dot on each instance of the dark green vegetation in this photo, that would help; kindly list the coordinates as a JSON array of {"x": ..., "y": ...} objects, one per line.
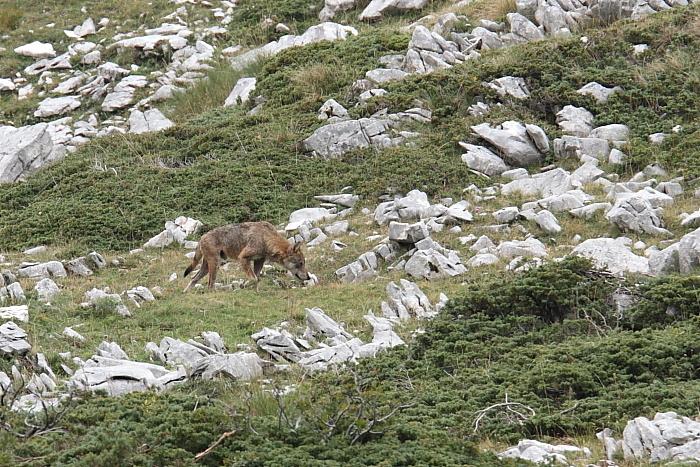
[
  {"x": 224, "y": 166},
  {"x": 426, "y": 404}
]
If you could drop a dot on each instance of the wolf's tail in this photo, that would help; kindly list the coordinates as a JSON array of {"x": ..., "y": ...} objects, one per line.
[{"x": 195, "y": 261}]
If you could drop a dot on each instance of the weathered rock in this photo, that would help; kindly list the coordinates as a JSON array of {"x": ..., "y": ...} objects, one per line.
[
  {"x": 13, "y": 340},
  {"x": 279, "y": 344},
  {"x": 547, "y": 222},
  {"x": 431, "y": 264},
  {"x": 308, "y": 216},
  {"x": 510, "y": 86},
  {"x": 110, "y": 71},
  {"x": 318, "y": 325},
  {"x": 665, "y": 261},
  {"x": 345, "y": 199},
  {"x": 18, "y": 312},
  {"x": 150, "y": 120},
  {"x": 384, "y": 75},
  {"x": 176, "y": 230},
  {"x": 41, "y": 270},
  {"x": 331, "y": 7},
  {"x": 7, "y": 84},
  {"x": 587, "y": 173},
  {"x": 324, "y": 31},
  {"x": 483, "y": 160},
  {"x": 552, "y": 182},
  {"x": 111, "y": 350},
  {"x": 85, "y": 29},
  {"x": 540, "y": 453},
  {"x": 242, "y": 366},
  {"x": 36, "y": 49},
  {"x": 506, "y": 215},
  {"x": 330, "y": 109},
  {"x": 62, "y": 62},
  {"x": 530, "y": 248},
  {"x": 72, "y": 334},
  {"x": 78, "y": 267},
  {"x": 587, "y": 212},
  {"x": 406, "y": 301},
  {"x": 378, "y": 8},
  {"x": 572, "y": 199},
  {"x": 13, "y": 291},
  {"x": 482, "y": 259},
  {"x": 522, "y": 29},
  {"x": 599, "y": 92},
  {"x": 383, "y": 335},
  {"x": 407, "y": 233},
  {"x": 575, "y": 121},
  {"x": 513, "y": 139},
  {"x": 636, "y": 214},
  {"x": 613, "y": 132},
  {"x": 176, "y": 352},
  {"x": 612, "y": 254},
  {"x": 26, "y": 150},
  {"x": 334, "y": 140},
  {"x": 46, "y": 290},
  {"x": 573, "y": 146},
  {"x": 118, "y": 377},
  {"x": 241, "y": 92}
]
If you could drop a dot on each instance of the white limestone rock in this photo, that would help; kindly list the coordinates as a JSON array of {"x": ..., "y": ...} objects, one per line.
[
  {"x": 148, "y": 121},
  {"x": 53, "y": 106},
  {"x": 612, "y": 254},
  {"x": 36, "y": 49},
  {"x": 241, "y": 92}
]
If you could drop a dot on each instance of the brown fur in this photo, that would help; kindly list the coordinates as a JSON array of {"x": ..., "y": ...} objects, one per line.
[{"x": 251, "y": 241}]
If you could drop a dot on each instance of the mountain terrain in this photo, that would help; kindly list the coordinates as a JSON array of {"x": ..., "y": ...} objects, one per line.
[{"x": 497, "y": 201}]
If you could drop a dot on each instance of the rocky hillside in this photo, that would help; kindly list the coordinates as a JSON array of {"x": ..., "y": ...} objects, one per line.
[{"x": 510, "y": 186}]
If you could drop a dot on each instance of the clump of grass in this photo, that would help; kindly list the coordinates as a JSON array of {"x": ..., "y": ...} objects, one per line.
[
  {"x": 211, "y": 92},
  {"x": 9, "y": 19}
]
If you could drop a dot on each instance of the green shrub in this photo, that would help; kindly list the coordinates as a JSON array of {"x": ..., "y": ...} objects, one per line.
[{"x": 665, "y": 300}]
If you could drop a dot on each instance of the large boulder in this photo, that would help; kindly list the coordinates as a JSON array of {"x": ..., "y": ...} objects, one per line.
[
  {"x": 334, "y": 140},
  {"x": 150, "y": 120},
  {"x": 36, "y": 49},
  {"x": 118, "y": 376},
  {"x": 483, "y": 160},
  {"x": 26, "y": 150},
  {"x": 378, "y": 8},
  {"x": 550, "y": 183},
  {"x": 53, "y": 106},
  {"x": 689, "y": 252},
  {"x": 575, "y": 121},
  {"x": 612, "y": 254},
  {"x": 13, "y": 340},
  {"x": 515, "y": 140},
  {"x": 636, "y": 214}
]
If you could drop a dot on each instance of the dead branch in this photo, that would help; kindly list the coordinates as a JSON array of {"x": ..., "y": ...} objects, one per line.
[
  {"x": 509, "y": 406},
  {"x": 570, "y": 409},
  {"x": 210, "y": 448}
]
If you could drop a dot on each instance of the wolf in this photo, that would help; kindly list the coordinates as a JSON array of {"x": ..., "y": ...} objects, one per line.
[{"x": 246, "y": 242}]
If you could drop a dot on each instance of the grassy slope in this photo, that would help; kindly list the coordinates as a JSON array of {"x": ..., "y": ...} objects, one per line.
[{"x": 223, "y": 166}]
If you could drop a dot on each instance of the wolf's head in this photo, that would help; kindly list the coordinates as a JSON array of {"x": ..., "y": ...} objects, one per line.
[{"x": 295, "y": 263}]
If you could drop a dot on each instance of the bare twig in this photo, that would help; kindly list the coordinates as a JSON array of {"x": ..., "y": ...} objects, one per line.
[
  {"x": 210, "y": 448},
  {"x": 509, "y": 406},
  {"x": 570, "y": 409}
]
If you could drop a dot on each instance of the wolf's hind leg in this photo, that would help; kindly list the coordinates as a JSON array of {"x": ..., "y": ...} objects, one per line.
[{"x": 201, "y": 273}]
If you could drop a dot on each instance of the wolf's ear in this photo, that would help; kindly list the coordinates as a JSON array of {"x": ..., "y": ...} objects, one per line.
[{"x": 296, "y": 248}]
